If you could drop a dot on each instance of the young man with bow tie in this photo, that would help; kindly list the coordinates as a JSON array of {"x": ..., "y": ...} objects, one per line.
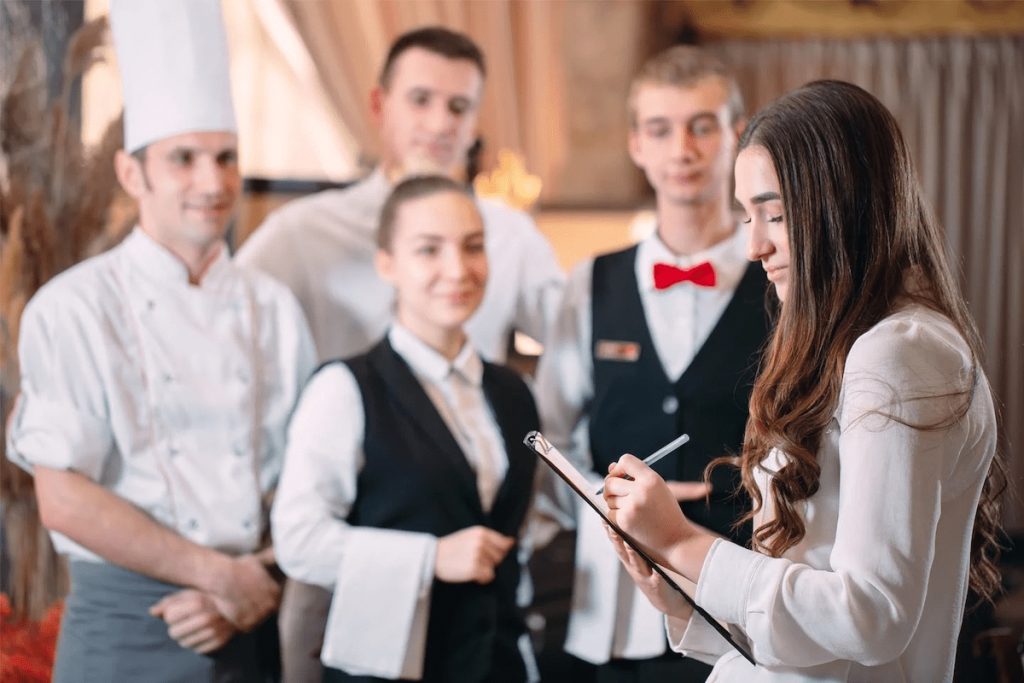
[{"x": 657, "y": 340}]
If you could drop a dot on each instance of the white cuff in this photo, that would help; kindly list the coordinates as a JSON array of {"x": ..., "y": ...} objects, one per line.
[
  {"x": 695, "y": 638},
  {"x": 726, "y": 579}
]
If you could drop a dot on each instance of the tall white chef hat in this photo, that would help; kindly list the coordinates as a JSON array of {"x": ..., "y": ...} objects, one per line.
[{"x": 173, "y": 57}]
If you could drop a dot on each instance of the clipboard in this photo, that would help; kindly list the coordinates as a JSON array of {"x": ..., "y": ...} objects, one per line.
[{"x": 536, "y": 442}]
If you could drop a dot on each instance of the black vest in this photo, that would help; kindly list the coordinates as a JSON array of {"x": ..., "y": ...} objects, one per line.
[
  {"x": 637, "y": 409},
  {"x": 416, "y": 478}
]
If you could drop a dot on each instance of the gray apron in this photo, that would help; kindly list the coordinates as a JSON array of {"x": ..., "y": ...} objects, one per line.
[{"x": 107, "y": 634}]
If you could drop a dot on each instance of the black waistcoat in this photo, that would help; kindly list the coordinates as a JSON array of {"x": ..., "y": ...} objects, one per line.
[
  {"x": 637, "y": 409},
  {"x": 416, "y": 478}
]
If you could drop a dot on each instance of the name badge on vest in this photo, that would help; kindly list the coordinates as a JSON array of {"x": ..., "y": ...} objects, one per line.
[{"x": 622, "y": 351}]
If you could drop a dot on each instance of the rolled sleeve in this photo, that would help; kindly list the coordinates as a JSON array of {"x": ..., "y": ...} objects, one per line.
[
  {"x": 56, "y": 434},
  {"x": 59, "y": 419}
]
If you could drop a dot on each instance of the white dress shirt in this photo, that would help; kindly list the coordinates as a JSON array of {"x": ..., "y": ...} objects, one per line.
[
  {"x": 381, "y": 577},
  {"x": 680, "y": 319},
  {"x": 875, "y": 590},
  {"x": 322, "y": 246},
  {"x": 173, "y": 396}
]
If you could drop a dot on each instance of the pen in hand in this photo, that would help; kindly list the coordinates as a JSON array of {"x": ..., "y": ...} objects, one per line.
[{"x": 657, "y": 455}]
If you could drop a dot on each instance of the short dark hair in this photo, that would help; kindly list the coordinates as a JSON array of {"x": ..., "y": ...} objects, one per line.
[
  {"x": 436, "y": 39},
  {"x": 413, "y": 187}
]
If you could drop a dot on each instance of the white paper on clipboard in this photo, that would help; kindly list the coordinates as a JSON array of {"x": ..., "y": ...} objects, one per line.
[{"x": 584, "y": 489}]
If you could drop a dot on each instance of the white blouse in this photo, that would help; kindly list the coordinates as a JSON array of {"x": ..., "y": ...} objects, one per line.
[
  {"x": 381, "y": 578},
  {"x": 173, "y": 396},
  {"x": 875, "y": 591}
]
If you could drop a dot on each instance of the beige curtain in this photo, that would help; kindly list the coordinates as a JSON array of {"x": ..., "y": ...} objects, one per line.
[
  {"x": 522, "y": 110},
  {"x": 960, "y": 102}
]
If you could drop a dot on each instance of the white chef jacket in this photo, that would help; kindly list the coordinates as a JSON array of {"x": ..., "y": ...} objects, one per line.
[
  {"x": 680, "y": 319},
  {"x": 322, "y": 247},
  {"x": 875, "y": 591},
  {"x": 174, "y": 397},
  {"x": 382, "y": 578}
]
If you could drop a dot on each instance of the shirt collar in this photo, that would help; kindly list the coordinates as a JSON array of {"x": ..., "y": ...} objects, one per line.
[
  {"x": 158, "y": 263},
  {"x": 728, "y": 258},
  {"x": 431, "y": 365}
]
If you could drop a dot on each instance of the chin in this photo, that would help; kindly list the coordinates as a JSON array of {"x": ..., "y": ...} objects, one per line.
[{"x": 686, "y": 197}]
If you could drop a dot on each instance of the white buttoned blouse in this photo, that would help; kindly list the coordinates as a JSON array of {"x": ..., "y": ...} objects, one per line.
[
  {"x": 875, "y": 591},
  {"x": 173, "y": 396}
]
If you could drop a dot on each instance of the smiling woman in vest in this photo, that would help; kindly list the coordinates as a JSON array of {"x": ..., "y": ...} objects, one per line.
[
  {"x": 404, "y": 486},
  {"x": 870, "y": 451}
]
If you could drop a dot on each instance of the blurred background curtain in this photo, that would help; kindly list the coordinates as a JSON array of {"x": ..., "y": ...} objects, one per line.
[{"x": 960, "y": 103}]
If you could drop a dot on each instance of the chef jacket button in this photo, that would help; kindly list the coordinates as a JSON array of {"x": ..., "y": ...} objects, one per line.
[
  {"x": 168, "y": 378},
  {"x": 193, "y": 524},
  {"x": 247, "y": 524},
  {"x": 243, "y": 375},
  {"x": 670, "y": 405},
  {"x": 150, "y": 304},
  {"x": 239, "y": 449},
  {"x": 172, "y": 449}
]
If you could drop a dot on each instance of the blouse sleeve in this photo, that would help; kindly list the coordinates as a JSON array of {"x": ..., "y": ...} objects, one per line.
[
  {"x": 61, "y": 418},
  {"x": 867, "y": 605},
  {"x": 381, "y": 578}
]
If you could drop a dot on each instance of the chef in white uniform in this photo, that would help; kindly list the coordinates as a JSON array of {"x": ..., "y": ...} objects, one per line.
[{"x": 157, "y": 380}]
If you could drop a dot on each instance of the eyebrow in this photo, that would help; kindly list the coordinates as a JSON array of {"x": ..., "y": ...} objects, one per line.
[
  {"x": 765, "y": 197},
  {"x": 420, "y": 89},
  {"x": 198, "y": 150},
  {"x": 434, "y": 237},
  {"x": 695, "y": 117}
]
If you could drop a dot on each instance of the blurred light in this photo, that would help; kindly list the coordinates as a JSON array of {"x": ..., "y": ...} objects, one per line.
[{"x": 509, "y": 182}]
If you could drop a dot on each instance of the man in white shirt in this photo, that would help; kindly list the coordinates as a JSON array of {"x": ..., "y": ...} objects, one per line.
[
  {"x": 425, "y": 107},
  {"x": 322, "y": 246},
  {"x": 658, "y": 340},
  {"x": 157, "y": 380}
]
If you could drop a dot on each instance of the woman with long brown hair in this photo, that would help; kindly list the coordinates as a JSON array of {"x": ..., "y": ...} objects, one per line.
[{"x": 870, "y": 450}]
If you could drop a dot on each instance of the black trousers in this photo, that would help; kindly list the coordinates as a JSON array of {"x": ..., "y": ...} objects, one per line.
[{"x": 670, "y": 666}]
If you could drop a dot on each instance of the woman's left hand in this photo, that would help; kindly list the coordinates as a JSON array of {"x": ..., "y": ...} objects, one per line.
[
  {"x": 662, "y": 597},
  {"x": 646, "y": 509}
]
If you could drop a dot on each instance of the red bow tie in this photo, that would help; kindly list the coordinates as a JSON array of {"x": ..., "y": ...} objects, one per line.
[{"x": 666, "y": 275}]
